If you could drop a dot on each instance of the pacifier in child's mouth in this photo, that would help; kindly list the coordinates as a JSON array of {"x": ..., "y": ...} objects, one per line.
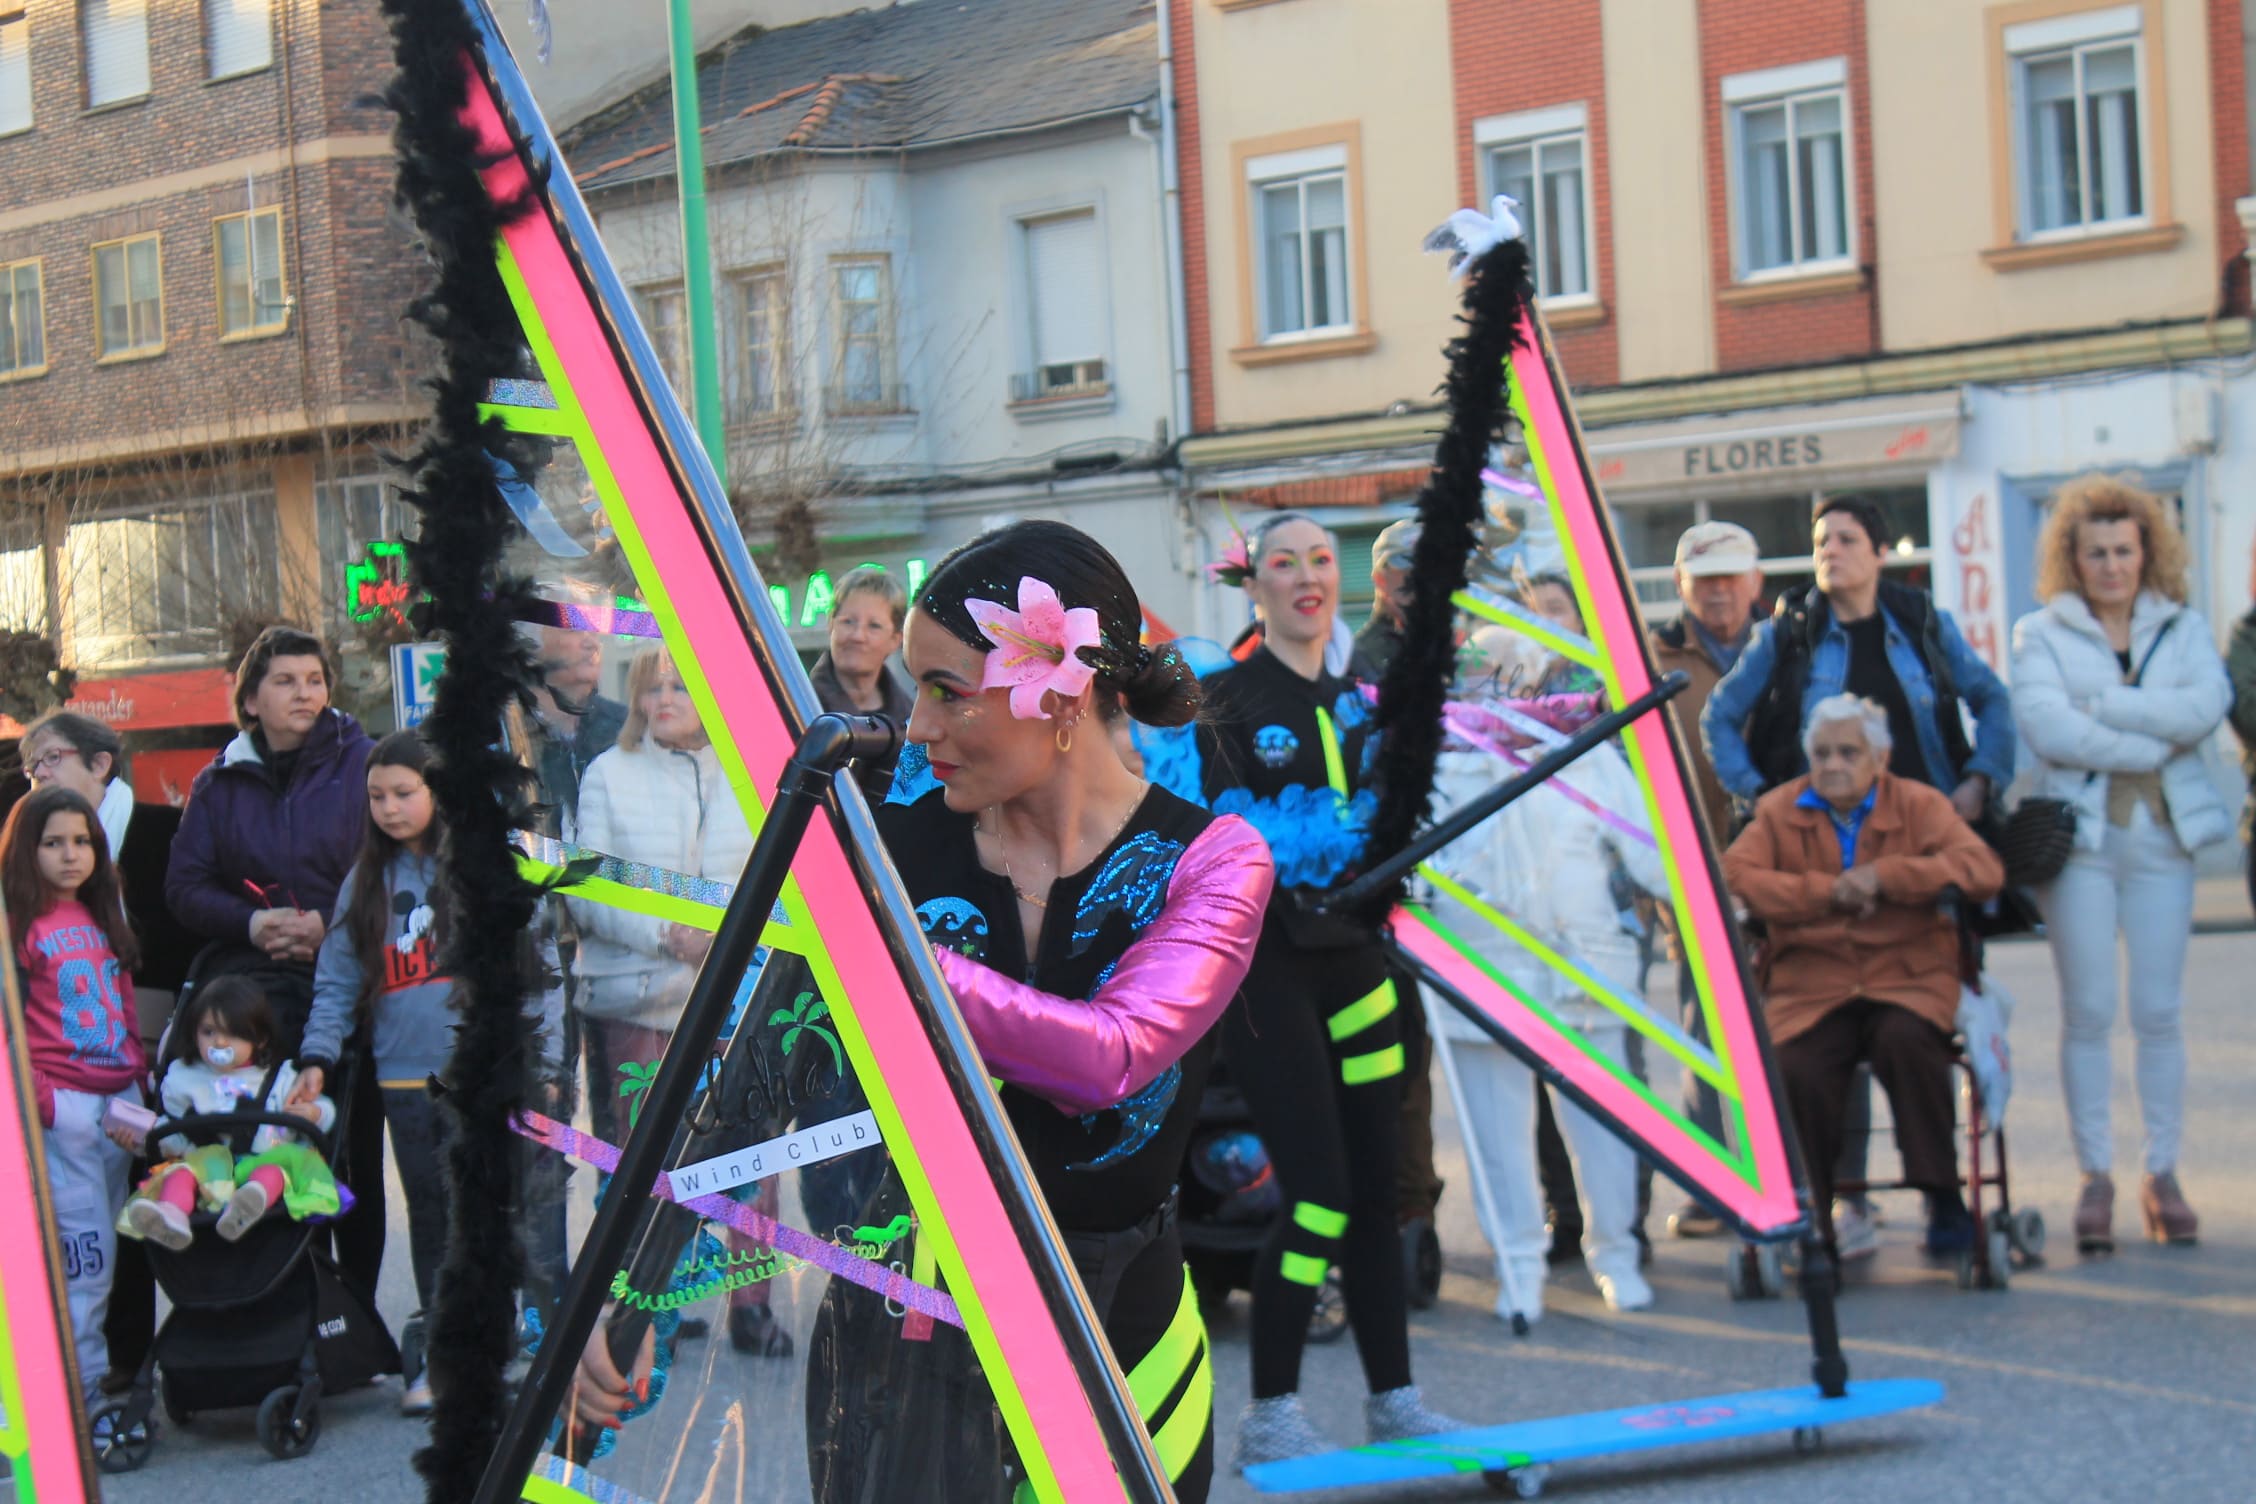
[{"x": 221, "y": 1056}]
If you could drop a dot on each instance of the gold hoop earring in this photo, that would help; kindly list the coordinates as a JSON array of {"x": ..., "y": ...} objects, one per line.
[{"x": 1064, "y": 736}]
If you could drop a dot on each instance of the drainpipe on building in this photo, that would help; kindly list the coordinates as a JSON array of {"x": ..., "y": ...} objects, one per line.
[{"x": 1171, "y": 223}]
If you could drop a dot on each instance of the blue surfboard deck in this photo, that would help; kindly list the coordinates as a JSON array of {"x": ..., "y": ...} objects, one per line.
[{"x": 1564, "y": 1438}]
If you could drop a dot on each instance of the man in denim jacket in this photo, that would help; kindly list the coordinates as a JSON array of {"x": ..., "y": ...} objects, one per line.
[{"x": 1921, "y": 673}]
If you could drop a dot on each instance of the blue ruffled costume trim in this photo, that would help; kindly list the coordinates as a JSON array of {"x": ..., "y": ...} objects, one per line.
[{"x": 1313, "y": 834}]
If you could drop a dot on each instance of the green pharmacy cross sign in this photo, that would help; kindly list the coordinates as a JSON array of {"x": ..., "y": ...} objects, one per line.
[
  {"x": 376, "y": 586},
  {"x": 818, "y": 595}
]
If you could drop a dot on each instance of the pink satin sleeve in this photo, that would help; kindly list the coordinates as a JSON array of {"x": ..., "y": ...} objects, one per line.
[{"x": 1168, "y": 989}]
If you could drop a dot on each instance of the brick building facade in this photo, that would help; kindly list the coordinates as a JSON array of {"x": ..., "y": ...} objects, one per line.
[
  {"x": 1944, "y": 253},
  {"x": 181, "y": 461}
]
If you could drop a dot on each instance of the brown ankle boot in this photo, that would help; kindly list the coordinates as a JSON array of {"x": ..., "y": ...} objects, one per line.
[
  {"x": 2168, "y": 1218},
  {"x": 2095, "y": 1214}
]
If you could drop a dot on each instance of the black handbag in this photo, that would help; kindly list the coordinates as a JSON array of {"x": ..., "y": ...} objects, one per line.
[
  {"x": 2037, "y": 838},
  {"x": 2041, "y": 831}
]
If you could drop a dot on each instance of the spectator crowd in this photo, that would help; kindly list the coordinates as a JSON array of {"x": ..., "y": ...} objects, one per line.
[{"x": 1874, "y": 786}]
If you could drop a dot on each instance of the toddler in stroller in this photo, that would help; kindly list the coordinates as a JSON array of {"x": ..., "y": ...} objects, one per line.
[
  {"x": 223, "y": 1054},
  {"x": 261, "y": 1315}
]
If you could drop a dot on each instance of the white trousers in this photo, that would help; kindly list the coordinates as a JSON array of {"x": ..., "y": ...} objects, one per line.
[
  {"x": 2141, "y": 885},
  {"x": 1500, "y": 1117},
  {"x": 86, "y": 1177}
]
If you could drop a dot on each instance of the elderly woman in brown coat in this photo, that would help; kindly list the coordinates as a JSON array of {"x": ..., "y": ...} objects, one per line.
[{"x": 1847, "y": 865}]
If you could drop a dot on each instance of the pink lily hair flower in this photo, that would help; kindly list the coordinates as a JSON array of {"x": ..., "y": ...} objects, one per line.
[
  {"x": 1037, "y": 647},
  {"x": 1233, "y": 568}
]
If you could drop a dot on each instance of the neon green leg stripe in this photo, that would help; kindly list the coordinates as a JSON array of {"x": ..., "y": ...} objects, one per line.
[
  {"x": 1358, "y": 1070},
  {"x": 1320, "y": 1220},
  {"x": 1335, "y": 766},
  {"x": 1180, "y": 1349},
  {"x": 1303, "y": 1269},
  {"x": 1154, "y": 1377},
  {"x": 1363, "y": 1012},
  {"x": 1179, "y": 1439}
]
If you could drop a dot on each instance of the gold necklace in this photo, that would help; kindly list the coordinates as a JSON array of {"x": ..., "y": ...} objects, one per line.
[{"x": 1003, "y": 851}]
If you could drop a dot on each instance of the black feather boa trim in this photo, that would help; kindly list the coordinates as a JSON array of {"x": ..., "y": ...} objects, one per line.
[
  {"x": 482, "y": 792},
  {"x": 1417, "y": 679}
]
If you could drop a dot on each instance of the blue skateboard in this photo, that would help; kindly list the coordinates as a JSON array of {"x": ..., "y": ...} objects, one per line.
[{"x": 1517, "y": 1457}]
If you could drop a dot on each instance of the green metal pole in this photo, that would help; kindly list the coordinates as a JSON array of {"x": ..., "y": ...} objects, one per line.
[{"x": 697, "y": 258}]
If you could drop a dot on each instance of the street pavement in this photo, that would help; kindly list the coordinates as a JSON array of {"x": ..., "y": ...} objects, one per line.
[{"x": 2124, "y": 1379}]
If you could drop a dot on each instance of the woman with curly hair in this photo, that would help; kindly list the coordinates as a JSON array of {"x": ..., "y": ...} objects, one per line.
[{"x": 2118, "y": 689}]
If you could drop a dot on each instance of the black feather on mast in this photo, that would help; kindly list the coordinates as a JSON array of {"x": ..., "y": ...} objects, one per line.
[
  {"x": 1417, "y": 679},
  {"x": 483, "y": 792}
]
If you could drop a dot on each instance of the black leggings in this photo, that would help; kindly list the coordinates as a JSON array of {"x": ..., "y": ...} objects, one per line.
[{"x": 1316, "y": 1047}]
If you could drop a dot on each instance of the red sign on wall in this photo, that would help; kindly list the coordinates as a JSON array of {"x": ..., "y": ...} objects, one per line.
[{"x": 155, "y": 702}]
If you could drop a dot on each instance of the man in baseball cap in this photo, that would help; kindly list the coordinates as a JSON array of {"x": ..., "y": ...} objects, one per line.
[{"x": 1719, "y": 578}]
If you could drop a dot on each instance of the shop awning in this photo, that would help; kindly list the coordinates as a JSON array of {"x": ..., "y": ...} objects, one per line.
[{"x": 1820, "y": 445}]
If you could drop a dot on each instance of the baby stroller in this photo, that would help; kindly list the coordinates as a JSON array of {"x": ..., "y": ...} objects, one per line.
[{"x": 268, "y": 1320}]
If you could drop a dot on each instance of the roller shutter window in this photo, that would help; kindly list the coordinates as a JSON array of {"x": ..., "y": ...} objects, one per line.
[
  {"x": 238, "y": 36},
  {"x": 117, "y": 50}
]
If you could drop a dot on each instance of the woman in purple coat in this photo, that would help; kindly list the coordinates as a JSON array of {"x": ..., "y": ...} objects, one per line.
[{"x": 271, "y": 829}]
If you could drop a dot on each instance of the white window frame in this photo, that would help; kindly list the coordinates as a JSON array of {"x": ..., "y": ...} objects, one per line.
[
  {"x": 10, "y": 272},
  {"x": 214, "y": 14},
  {"x": 120, "y": 590},
  {"x": 135, "y": 71},
  {"x": 1790, "y": 87},
  {"x": 1306, "y": 166},
  {"x": 256, "y": 328},
  {"x": 739, "y": 352},
  {"x": 1533, "y": 130},
  {"x": 143, "y": 349},
  {"x": 15, "y": 71},
  {"x": 674, "y": 355},
  {"x": 2076, "y": 36},
  {"x": 891, "y": 398},
  {"x": 1092, "y": 370}
]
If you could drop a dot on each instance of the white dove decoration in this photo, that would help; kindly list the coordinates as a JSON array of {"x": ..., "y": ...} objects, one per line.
[{"x": 1469, "y": 234}]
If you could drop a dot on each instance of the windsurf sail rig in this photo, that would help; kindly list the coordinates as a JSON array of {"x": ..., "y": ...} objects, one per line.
[
  {"x": 873, "y": 1220},
  {"x": 1528, "y": 991}
]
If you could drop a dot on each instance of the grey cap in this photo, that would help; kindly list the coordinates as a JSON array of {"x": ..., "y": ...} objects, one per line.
[{"x": 1396, "y": 542}]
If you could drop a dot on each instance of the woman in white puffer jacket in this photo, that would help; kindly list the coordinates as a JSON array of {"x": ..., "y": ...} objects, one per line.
[
  {"x": 659, "y": 799},
  {"x": 1548, "y": 861},
  {"x": 2118, "y": 690}
]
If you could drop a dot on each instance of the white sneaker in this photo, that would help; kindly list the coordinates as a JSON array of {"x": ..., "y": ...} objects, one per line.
[
  {"x": 1624, "y": 1291},
  {"x": 244, "y": 1208},
  {"x": 415, "y": 1399},
  {"x": 159, "y": 1222},
  {"x": 1856, "y": 1231}
]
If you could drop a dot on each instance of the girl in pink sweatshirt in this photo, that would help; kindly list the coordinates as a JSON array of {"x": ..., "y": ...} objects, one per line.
[{"x": 74, "y": 955}]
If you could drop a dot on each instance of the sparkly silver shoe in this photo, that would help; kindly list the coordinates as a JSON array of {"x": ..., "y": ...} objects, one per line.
[
  {"x": 1274, "y": 1429},
  {"x": 1398, "y": 1414}
]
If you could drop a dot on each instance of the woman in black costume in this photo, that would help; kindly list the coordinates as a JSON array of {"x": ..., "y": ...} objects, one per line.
[
  {"x": 1092, "y": 928},
  {"x": 1317, "y": 1047}
]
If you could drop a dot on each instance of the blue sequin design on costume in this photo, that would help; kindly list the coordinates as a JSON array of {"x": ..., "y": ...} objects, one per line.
[
  {"x": 1350, "y": 710},
  {"x": 1275, "y": 746},
  {"x": 1313, "y": 834},
  {"x": 1132, "y": 883},
  {"x": 912, "y": 776},
  {"x": 954, "y": 924},
  {"x": 1141, "y": 1115}
]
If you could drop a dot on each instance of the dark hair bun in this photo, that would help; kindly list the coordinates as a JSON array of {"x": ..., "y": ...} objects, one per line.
[{"x": 1160, "y": 688}]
